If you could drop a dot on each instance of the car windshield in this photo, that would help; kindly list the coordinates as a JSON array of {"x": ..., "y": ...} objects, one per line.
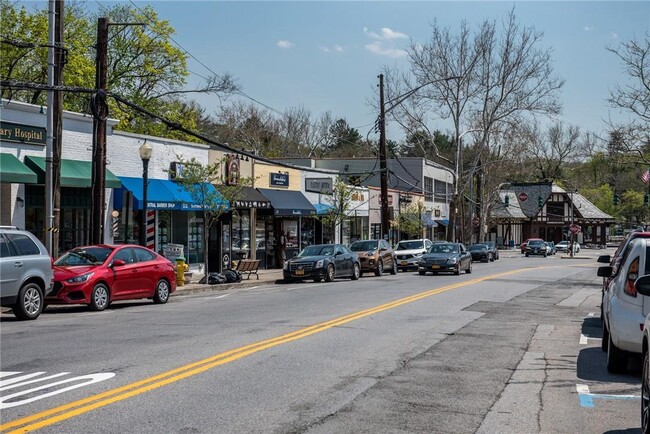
[
  {"x": 86, "y": 256},
  {"x": 363, "y": 246},
  {"x": 536, "y": 242},
  {"x": 317, "y": 251},
  {"x": 444, "y": 248},
  {"x": 410, "y": 245},
  {"x": 478, "y": 247}
]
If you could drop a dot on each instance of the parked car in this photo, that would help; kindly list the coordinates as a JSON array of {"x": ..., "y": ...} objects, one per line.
[
  {"x": 323, "y": 261},
  {"x": 642, "y": 286},
  {"x": 493, "y": 248},
  {"x": 26, "y": 275},
  {"x": 563, "y": 246},
  {"x": 375, "y": 256},
  {"x": 525, "y": 243},
  {"x": 452, "y": 257},
  {"x": 623, "y": 307},
  {"x": 551, "y": 246},
  {"x": 101, "y": 274},
  {"x": 480, "y": 252},
  {"x": 537, "y": 247},
  {"x": 409, "y": 252}
]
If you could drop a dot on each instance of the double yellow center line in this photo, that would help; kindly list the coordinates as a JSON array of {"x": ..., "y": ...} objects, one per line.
[{"x": 76, "y": 408}]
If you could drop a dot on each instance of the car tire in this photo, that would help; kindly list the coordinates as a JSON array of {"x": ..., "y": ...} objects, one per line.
[
  {"x": 99, "y": 297},
  {"x": 490, "y": 258},
  {"x": 544, "y": 255},
  {"x": 317, "y": 279},
  {"x": 356, "y": 272},
  {"x": 329, "y": 273},
  {"x": 468, "y": 270},
  {"x": 161, "y": 296},
  {"x": 380, "y": 268},
  {"x": 29, "y": 304},
  {"x": 605, "y": 340},
  {"x": 457, "y": 270},
  {"x": 527, "y": 255},
  {"x": 616, "y": 358},
  {"x": 393, "y": 270},
  {"x": 422, "y": 273},
  {"x": 645, "y": 395}
]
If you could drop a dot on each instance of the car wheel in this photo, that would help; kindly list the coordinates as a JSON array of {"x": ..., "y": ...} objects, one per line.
[
  {"x": 645, "y": 396},
  {"x": 616, "y": 358},
  {"x": 356, "y": 271},
  {"x": 393, "y": 270},
  {"x": 329, "y": 274},
  {"x": 490, "y": 258},
  {"x": 468, "y": 270},
  {"x": 317, "y": 279},
  {"x": 605, "y": 339},
  {"x": 30, "y": 302},
  {"x": 99, "y": 298},
  {"x": 544, "y": 255},
  {"x": 422, "y": 273},
  {"x": 527, "y": 255},
  {"x": 380, "y": 268},
  {"x": 162, "y": 292},
  {"x": 457, "y": 270}
]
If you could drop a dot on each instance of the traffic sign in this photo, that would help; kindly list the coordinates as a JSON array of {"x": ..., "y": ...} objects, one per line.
[
  {"x": 475, "y": 221},
  {"x": 574, "y": 228},
  {"x": 523, "y": 197}
]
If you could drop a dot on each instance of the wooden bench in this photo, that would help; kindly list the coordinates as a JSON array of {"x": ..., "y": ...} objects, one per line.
[{"x": 249, "y": 266}]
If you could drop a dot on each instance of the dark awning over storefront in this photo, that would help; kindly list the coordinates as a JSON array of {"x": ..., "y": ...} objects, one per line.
[
  {"x": 287, "y": 202},
  {"x": 251, "y": 198},
  {"x": 13, "y": 170},
  {"x": 74, "y": 173},
  {"x": 161, "y": 194},
  {"x": 427, "y": 220},
  {"x": 444, "y": 222}
]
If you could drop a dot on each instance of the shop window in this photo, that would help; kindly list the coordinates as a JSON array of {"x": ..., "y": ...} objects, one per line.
[
  {"x": 195, "y": 246},
  {"x": 241, "y": 234},
  {"x": 307, "y": 232},
  {"x": 290, "y": 229}
]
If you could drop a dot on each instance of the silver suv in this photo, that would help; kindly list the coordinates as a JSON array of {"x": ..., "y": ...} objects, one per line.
[{"x": 25, "y": 272}]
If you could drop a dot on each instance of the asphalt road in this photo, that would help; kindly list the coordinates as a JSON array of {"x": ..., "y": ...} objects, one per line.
[{"x": 512, "y": 347}]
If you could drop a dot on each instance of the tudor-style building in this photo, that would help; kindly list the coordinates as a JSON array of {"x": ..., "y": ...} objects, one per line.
[{"x": 524, "y": 217}]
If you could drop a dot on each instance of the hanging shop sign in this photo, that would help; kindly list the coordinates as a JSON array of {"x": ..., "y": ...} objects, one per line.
[
  {"x": 279, "y": 180},
  {"x": 28, "y": 134},
  {"x": 232, "y": 170},
  {"x": 319, "y": 185}
]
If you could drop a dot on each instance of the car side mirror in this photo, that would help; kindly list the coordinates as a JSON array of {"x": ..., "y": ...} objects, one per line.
[
  {"x": 604, "y": 271},
  {"x": 118, "y": 263},
  {"x": 642, "y": 285},
  {"x": 295, "y": 254},
  {"x": 604, "y": 259}
]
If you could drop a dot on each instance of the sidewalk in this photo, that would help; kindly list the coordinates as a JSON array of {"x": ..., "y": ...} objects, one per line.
[{"x": 266, "y": 277}]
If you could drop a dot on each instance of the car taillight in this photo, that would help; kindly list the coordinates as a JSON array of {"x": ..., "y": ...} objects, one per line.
[{"x": 632, "y": 275}]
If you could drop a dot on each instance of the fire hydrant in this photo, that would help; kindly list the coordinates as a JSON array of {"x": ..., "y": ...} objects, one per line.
[{"x": 181, "y": 268}]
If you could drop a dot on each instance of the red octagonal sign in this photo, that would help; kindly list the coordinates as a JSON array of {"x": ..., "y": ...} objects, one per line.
[
  {"x": 475, "y": 221},
  {"x": 523, "y": 197},
  {"x": 574, "y": 228}
]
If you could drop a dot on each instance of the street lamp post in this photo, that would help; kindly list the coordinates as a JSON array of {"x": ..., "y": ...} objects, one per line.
[{"x": 145, "y": 154}]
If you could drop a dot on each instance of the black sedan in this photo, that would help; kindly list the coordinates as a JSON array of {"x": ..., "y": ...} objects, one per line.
[
  {"x": 323, "y": 261},
  {"x": 537, "y": 247},
  {"x": 452, "y": 257},
  {"x": 481, "y": 252}
]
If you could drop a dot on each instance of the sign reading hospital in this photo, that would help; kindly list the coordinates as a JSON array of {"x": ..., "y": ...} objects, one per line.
[{"x": 10, "y": 132}]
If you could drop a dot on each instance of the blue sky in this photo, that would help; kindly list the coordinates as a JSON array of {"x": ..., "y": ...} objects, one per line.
[{"x": 326, "y": 56}]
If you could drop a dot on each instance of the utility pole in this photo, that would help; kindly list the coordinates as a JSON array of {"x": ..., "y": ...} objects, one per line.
[
  {"x": 49, "y": 146},
  {"x": 383, "y": 176},
  {"x": 59, "y": 61},
  {"x": 98, "y": 191}
]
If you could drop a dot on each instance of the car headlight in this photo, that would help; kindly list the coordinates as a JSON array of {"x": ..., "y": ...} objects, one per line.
[
  {"x": 370, "y": 253},
  {"x": 452, "y": 260},
  {"x": 319, "y": 264},
  {"x": 80, "y": 279},
  {"x": 286, "y": 265}
]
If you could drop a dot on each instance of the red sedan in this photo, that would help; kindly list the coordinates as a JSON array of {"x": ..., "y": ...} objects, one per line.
[{"x": 98, "y": 275}]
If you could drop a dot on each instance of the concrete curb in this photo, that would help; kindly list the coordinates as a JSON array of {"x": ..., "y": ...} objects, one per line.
[{"x": 575, "y": 257}]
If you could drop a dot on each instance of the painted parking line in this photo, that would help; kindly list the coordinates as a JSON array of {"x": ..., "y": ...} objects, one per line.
[
  {"x": 587, "y": 399},
  {"x": 584, "y": 340}
]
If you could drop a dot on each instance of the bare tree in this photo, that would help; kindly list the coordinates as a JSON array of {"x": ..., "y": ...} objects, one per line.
[{"x": 550, "y": 151}]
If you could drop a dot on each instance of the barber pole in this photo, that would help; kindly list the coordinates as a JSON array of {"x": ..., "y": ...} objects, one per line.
[{"x": 151, "y": 229}]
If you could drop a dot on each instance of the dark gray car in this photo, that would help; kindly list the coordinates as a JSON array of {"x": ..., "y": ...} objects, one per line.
[{"x": 26, "y": 275}]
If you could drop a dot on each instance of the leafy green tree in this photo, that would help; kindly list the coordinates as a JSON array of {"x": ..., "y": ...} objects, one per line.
[
  {"x": 200, "y": 181},
  {"x": 345, "y": 141},
  {"x": 632, "y": 208},
  {"x": 341, "y": 200},
  {"x": 410, "y": 222},
  {"x": 603, "y": 197}
]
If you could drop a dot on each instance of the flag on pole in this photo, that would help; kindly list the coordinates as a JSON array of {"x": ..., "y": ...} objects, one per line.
[{"x": 646, "y": 176}]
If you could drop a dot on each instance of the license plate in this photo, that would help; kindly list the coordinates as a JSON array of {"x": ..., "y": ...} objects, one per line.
[
  {"x": 435, "y": 267},
  {"x": 299, "y": 273},
  {"x": 404, "y": 263}
]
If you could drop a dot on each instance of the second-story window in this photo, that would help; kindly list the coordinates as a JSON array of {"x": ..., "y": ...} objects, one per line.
[{"x": 428, "y": 189}]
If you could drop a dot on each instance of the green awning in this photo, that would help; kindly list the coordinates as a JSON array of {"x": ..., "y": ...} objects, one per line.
[
  {"x": 12, "y": 170},
  {"x": 74, "y": 173}
]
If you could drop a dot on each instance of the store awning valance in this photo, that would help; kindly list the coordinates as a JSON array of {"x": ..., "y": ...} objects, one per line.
[
  {"x": 428, "y": 221},
  {"x": 74, "y": 173},
  {"x": 287, "y": 202},
  {"x": 13, "y": 170},
  {"x": 444, "y": 222},
  {"x": 165, "y": 194},
  {"x": 251, "y": 198},
  {"x": 322, "y": 208}
]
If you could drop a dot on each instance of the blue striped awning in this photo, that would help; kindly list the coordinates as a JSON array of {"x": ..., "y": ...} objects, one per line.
[{"x": 163, "y": 194}]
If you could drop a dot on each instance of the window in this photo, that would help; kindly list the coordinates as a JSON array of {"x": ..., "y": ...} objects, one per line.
[
  {"x": 144, "y": 255},
  {"x": 24, "y": 244},
  {"x": 440, "y": 191},
  {"x": 4, "y": 248},
  {"x": 125, "y": 255},
  {"x": 428, "y": 189}
]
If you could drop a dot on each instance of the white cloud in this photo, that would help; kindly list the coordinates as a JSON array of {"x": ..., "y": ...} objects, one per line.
[
  {"x": 335, "y": 48},
  {"x": 614, "y": 35},
  {"x": 284, "y": 44},
  {"x": 386, "y": 34},
  {"x": 379, "y": 48},
  {"x": 588, "y": 28}
]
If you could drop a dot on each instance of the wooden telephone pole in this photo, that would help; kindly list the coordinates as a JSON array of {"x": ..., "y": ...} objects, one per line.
[{"x": 383, "y": 176}]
